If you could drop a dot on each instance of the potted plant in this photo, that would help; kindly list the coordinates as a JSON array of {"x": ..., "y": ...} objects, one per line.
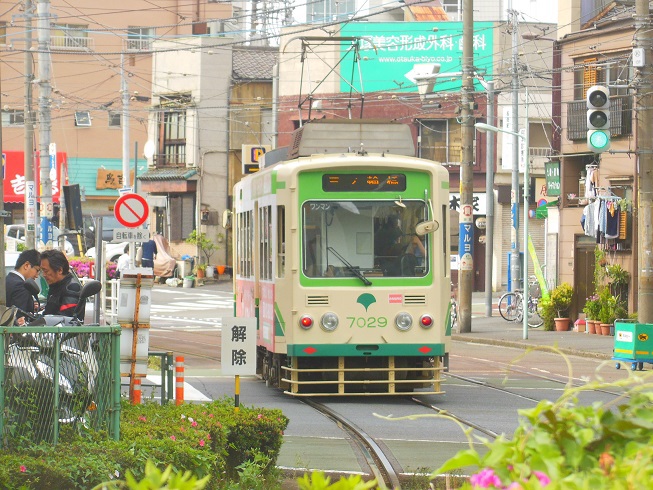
[
  {"x": 618, "y": 278},
  {"x": 607, "y": 312},
  {"x": 200, "y": 271},
  {"x": 206, "y": 246},
  {"x": 561, "y": 298},
  {"x": 591, "y": 310}
]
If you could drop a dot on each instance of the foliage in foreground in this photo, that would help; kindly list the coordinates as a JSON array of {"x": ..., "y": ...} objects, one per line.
[
  {"x": 564, "y": 445},
  {"x": 207, "y": 440}
]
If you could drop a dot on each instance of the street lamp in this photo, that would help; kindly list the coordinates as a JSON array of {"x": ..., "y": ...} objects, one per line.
[{"x": 483, "y": 127}]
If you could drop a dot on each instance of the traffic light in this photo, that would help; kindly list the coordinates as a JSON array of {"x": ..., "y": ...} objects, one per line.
[{"x": 598, "y": 119}]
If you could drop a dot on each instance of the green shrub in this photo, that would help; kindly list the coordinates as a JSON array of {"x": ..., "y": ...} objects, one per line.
[
  {"x": 547, "y": 312},
  {"x": 205, "y": 439}
]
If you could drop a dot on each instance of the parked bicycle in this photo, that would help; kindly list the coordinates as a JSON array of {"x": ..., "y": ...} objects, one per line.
[{"x": 511, "y": 305}]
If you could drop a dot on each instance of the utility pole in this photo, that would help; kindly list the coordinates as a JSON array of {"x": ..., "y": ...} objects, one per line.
[
  {"x": 28, "y": 147},
  {"x": 126, "y": 181},
  {"x": 514, "y": 190},
  {"x": 489, "y": 198},
  {"x": 466, "y": 223},
  {"x": 45, "y": 124},
  {"x": 3, "y": 290},
  {"x": 644, "y": 111}
]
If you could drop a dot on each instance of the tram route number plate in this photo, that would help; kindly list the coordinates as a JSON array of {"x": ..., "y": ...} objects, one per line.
[{"x": 367, "y": 322}]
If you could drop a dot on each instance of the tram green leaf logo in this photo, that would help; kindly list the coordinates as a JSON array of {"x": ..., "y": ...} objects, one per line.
[{"x": 366, "y": 299}]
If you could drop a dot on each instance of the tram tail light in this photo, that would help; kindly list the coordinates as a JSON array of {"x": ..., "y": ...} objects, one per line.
[
  {"x": 306, "y": 322},
  {"x": 426, "y": 321}
]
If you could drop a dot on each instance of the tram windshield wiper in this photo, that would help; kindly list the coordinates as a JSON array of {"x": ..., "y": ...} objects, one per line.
[{"x": 350, "y": 267}]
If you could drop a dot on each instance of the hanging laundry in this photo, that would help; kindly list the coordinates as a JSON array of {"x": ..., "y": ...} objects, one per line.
[
  {"x": 611, "y": 220},
  {"x": 591, "y": 182}
]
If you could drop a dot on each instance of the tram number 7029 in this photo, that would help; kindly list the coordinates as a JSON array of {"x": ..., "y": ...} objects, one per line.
[{"x": 369, "y": 322}]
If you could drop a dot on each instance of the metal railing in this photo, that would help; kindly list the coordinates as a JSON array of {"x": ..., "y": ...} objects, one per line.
[
  {"x": 71, "y": 42},
  {"x": 84, "y": 361}
]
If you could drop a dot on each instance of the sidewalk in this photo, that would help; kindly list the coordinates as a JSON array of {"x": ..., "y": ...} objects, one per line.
[{"x": 496, "y": 331}]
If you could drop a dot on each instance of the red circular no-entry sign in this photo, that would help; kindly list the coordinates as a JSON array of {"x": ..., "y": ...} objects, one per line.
[{"x": 131, "y": 210}]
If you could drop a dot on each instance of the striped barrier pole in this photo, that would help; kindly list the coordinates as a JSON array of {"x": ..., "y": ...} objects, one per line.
[
  {"x": 179, "y": 379},
  {"x": 136, "y": 392}
]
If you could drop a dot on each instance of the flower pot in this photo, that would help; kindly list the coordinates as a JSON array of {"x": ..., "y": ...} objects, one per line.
[
  {"x": 221, "y": 269},
  {"x": 188, "y": 282},
  {"x": 210, "y": 270},
  {"x": 591, "y": 326},
  {"x": 605, "y": 328},
  {"x": 562, "y": 324},
  {"x": 200, "y": 274}
]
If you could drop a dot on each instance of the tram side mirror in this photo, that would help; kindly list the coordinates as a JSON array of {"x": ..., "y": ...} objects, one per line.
[
  {"x": 226, "y": 219},
  {"x": 426, "y": 227}
]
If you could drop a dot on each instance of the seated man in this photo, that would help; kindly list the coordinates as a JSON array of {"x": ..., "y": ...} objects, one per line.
[
  {"x": 65, "y": 288},
  {"x": 27, "y": 267}
]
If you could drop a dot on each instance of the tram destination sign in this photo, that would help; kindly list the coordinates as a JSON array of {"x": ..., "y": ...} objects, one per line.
[{"x": 363, "y": 182}]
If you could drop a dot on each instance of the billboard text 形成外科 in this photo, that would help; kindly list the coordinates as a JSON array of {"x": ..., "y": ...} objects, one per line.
[{"x": 401, "y": 45}]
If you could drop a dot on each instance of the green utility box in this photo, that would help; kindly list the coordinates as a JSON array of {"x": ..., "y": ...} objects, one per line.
[{"x": 633, "y": 342}]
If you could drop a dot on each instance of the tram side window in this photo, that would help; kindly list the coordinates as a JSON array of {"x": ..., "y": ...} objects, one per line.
[
  {"x": 281, "y": 241},
  {"x": 245, "y": 241},
  {"x": 265, "y": 233}
]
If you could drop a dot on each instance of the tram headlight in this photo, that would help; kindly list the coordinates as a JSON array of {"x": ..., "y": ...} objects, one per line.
[
  {"x": 403, "y": 321},
  {"x": 426, "y": 321},
  {"x": 306, "y": 322},
  {"x": 329, "y": 321}
]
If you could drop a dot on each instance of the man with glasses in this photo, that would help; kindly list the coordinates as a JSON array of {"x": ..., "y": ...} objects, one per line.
[
  {"x": 64, "y": 287},
  {"x": 27, "y": 267}
]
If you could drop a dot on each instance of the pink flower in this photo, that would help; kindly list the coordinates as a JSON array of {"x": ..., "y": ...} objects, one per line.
[
  {"x": 210, "y": 415},
  {"x": 485, "y": 479},
  {"x": 193, "y": 423},
  {"x": 142, "y": 418},
  {"x": 260, "y": 415},
  {"x": 544, "y": 479},
  {"x": 201, "y": 442},
  {"x": 173, "y": 438},
  {"x": 23, "y": 469}
]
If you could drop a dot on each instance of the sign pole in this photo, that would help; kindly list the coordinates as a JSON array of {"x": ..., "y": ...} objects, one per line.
[{"x": 237, "y": 393}]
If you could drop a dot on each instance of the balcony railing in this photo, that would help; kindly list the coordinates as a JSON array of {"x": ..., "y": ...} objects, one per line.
[
  {"x": 621, "y": 118},
  {"x": 138, "y": 44},
  {"x": 71, "y": 42}
]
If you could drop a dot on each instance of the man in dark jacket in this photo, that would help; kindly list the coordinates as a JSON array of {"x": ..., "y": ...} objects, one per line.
[
  {"x": 27, "y": 267},
  {"x": 65, "y": 288}
]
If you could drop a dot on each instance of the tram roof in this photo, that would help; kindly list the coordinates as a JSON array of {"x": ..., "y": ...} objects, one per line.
[{"x": 346, "y": 136}]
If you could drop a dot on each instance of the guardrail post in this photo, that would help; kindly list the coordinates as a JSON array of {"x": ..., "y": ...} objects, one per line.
[
  {"x": 179, "y": 384},
  {"x": 169, "y": 364},
  {"x": 136, "y": 393}
]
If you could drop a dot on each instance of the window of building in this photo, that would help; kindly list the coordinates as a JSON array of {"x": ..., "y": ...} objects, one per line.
[
  {"x": 83, "y": 119},
  {"x": 182, "y": 215},
  {"x": 70, "y": 36},
  {"x": 13, "y": 117},
  {"x": 139, "y": 38},
  {"x": 441, "y": 141},
  {"x": 172, "y": 138},
  {"x": 615, "y": 72},
  {"x": 114, "y": 119},
  {"x": 328, "y": 10}
]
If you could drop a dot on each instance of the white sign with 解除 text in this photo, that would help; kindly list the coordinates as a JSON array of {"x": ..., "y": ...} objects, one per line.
[{"x": 239, "y": 346}]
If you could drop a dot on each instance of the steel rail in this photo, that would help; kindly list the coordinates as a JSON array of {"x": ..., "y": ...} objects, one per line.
[{"x": 380, "y": 466}]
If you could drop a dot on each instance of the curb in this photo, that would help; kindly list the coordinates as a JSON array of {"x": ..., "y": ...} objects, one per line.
[{"x": 521, "y": 345}]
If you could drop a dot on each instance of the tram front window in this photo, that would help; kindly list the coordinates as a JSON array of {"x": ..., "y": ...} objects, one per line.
[{"x": 364, "y": 238}]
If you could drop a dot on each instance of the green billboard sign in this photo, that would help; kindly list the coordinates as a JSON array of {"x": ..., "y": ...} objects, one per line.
[
  {"x": 552, "y": 174},
  {"x": 392, "y": 52}
]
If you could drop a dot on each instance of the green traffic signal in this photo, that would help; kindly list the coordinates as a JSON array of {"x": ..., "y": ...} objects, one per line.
[{"x": 598, "y": 140}]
